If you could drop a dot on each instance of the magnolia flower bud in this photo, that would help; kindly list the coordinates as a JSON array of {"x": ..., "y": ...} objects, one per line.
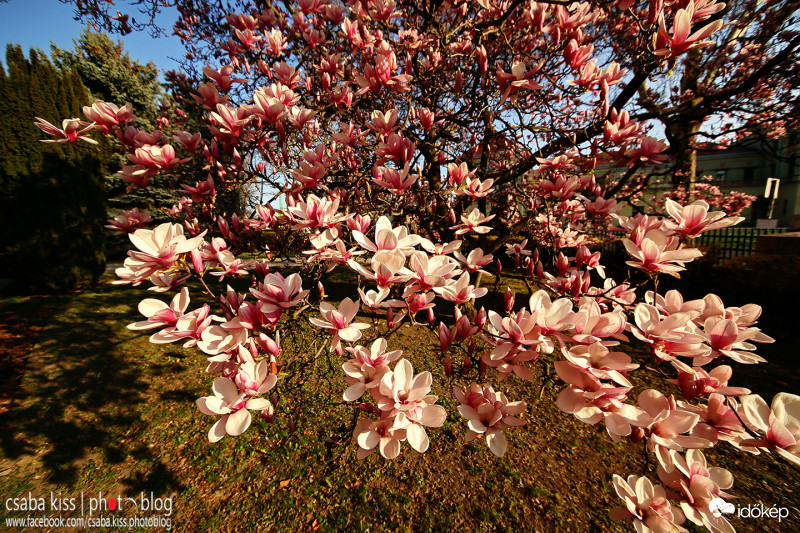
[
  {"x": 508, "y": 299},
  {"x": 444, "y": 337},
  {"x": 480, "y": 318},
  {"x": 197, "y": 261},
  {"x": 465, "y": 366}
]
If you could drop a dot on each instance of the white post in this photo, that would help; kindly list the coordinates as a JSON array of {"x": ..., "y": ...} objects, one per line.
[{"x": 774, "y": 195}]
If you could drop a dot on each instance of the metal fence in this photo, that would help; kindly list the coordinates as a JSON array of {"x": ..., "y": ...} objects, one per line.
[{"x": 733, "y": 242}]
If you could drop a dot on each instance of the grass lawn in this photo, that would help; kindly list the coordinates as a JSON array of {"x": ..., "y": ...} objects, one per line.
[{"x": 89, "y": 406}]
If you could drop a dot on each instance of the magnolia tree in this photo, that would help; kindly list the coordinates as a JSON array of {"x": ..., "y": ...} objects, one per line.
[{"x": 421, "y": 146}]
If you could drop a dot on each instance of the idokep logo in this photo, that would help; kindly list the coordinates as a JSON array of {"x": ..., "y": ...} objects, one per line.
[{"x": 718, "y": 507}]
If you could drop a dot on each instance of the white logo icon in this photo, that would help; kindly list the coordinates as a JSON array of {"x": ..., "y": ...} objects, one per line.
[{"x": 718, "y": 506}]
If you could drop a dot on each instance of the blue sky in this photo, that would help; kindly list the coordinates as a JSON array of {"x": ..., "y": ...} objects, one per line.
[{"x": 35, "y": 23}]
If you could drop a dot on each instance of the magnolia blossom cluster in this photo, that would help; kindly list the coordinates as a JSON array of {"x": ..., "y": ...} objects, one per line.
[
  {"x": 420, "y": 197},
  {"x": 698, "y": 488},
  {"x": 401, "y": 400}
]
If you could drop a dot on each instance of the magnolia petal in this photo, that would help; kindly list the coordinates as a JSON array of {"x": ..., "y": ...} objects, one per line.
[
  {"x": 217, "y": 431},
  {"x": 433, "y": 416},
  {"x": 417, "y": 438},
  {"x": 238, "y": 422},
  {"x": 390, "y": 448},
  {"x": 354, "y": 392},
  {"x": 497, "y": 443}
]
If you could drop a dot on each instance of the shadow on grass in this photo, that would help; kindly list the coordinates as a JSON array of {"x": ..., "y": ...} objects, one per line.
[{"x": 80, "y": 389}]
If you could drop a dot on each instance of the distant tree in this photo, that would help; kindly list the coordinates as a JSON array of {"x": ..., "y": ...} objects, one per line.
[
  {"x": 110, "y": 74},
  {"x": 52, "y": 200}
]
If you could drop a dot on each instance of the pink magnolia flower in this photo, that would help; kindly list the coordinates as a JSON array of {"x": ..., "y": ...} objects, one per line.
[
  {"x": 160, "y": 314},
  {"x": 157, "y": 250},
  {"x": 68, "y": 133},
  {"x": 191, "y": 142},
  {"x": 277, "y": 293},
  {"x": 698, "y": 484},
  {"x": 472, "y": 223},
  {"x": 441, "y": 248},
  {"x": 702, "y": 383},
  {"x": 386, "y": 434},
  {"x": 456, "y": 174},
  {"x": 649, "y": 151},
  {"x": 598, "y": 361},
  {"x": 338, "y": 321},
  {"x": 431, "y": 272},
  {"x": 553, "y": 316},
  {"x": 407, "y": 395},
  {"x": 383, "y": 123},
  {"x": 694, "y": 219},
  {"x": 508, "y": 358},
  {"x": 214, "y": 340},
  {"x": 136, "y": 175},
  {"x": 167, "y": 281},
  {"x": 387, "y": 268},
  {"x": 460, "y": 291},
  {"x": 780, "y": 424},
  {"x": 222, "y": 76},
  {"x": 680, "y": 41},
  {"x": 366, "y": 370},
  {"x": 725, "y": 337},
  {"x": 718, "y": 421},
  {"x": 129, "y": 220},
  {"x": 668, "y": 426},
  {"x": 156, "y": 157},
  {"x": 388, "y": 238},
  {"x": 592, "y": 325},
  {"x": 488, "y": 413},
  {"x": 396, "y": 180},
  {"x": 396, "y": 148},
  {"x": 254, "y": 378},
  {"x": 477, "y": 188},
  {"x": 374, "y": 300},
  {"x": 510, "y": 83},
  {"x": 518, "y": 248},
  {"x": 659, "y": 253},
  {"x": 106, "y": 116},
  {"x": 475, "y": 260},
  {"x": 591, "y": 401},
  {"x": 316, "y": 212},
  {"x": 233, "y": 405},
  {"x": 202, "y": 192},
  {"x": 647, "y": 505}
]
